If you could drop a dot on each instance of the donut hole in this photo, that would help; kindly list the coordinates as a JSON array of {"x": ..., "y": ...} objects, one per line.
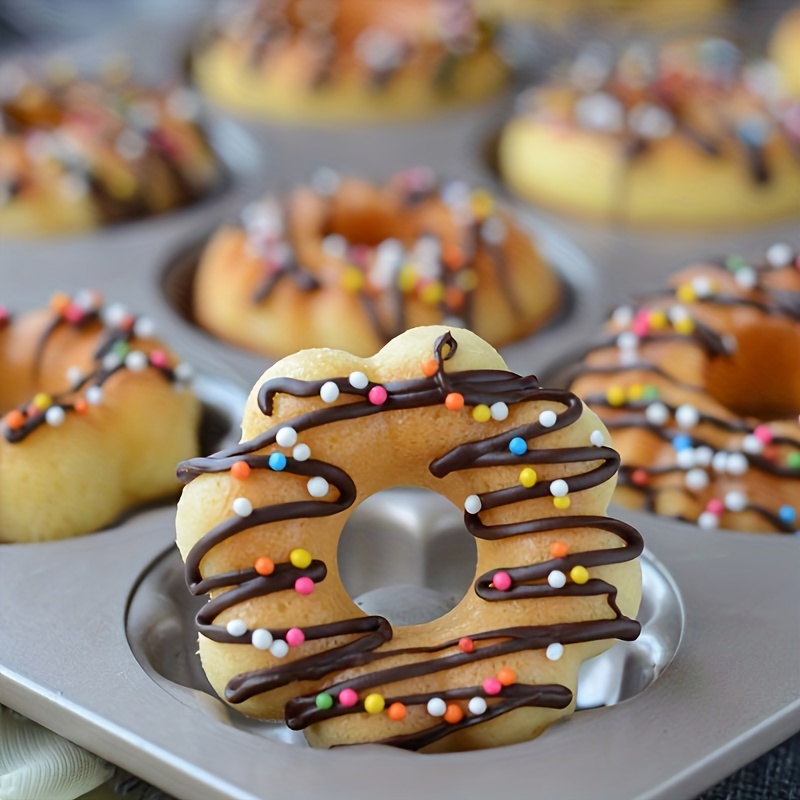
[
  {"x": 748, "y": 387},
  {"x": 368, "y": 217},
  {"x": 406, "y": 555}
]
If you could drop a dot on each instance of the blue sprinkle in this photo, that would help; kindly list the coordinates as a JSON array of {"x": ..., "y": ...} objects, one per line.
[
  {"x": 518, "y": 446},
  {"x": 787, "y": 514},
  {"x": 682, "y": 441},
  {"x": 277, "y": 461}
]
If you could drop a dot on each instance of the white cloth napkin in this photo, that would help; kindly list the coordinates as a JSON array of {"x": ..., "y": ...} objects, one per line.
[{"x": 36, "y": 764}]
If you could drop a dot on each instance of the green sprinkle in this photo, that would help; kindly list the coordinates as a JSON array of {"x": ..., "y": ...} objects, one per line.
[
  {"x": 735, "y": 263},
  {"x": 324, "y": 701},
  {"x": 121, "y": 349},
  {"x": 794, "y": 460},
  {"x": 650, "y": 392}
]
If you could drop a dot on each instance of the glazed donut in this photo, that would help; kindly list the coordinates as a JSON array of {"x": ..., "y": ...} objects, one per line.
[
  {"x": 75, "y": 154},
  {"x": 556, "y": 580},
  {"x": 700, "y": 387},
  {"x": 682, "y": 136},
  {"x": 99, "y": 416},
  {"x": 349, "y": 265},
  {"x": 348, "y": 60},
  {"x": 785, "y": 49}
]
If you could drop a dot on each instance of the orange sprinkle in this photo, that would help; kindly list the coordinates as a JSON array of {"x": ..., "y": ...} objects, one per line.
[
  {"x": 559, "y": 549},
  {"x": 240, "y": 470},
  {"x": 452, "y": 256},
  {"x": 264, "y": 566},
  {"x": 454, "y": 401},
  {"x": 80, "y": 406},
  {"x": 454, "y": 298},
  {"x": 14, "y": 419},
  {"x": 59, "y": 302},
  {"x": 453, "y": 714},
  {"x": 397, "y": 712},
  {"x": 507, "y": 676},
  {"x": 430, "y": 367}
]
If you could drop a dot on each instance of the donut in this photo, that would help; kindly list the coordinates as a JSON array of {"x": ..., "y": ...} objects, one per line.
[
  {"x": 76, "y": 154},
  {"x": 686, "y": 135},
  {"x": 556, "y": 581},
  {"x": 347, "y": 60},
  {"x": 349, "y": 265},
  {"x": 97, "y": 414},
  {"x": 785, "y": 48},
  {"x": 699, "y": 385}
]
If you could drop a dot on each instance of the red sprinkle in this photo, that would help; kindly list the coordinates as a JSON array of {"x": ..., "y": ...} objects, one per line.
[
  {"x": 639, "y": 477},
  {"x": 466, "y": 645},
  {"x": 74, "y": 314},
  {"x": 240, "y": 470}
]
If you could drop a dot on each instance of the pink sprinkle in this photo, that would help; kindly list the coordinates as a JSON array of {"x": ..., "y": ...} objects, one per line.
[
  {"x": 492, "y": 686},
  {"x": 763, "y": 434},
  {"x": 641, "y": 324},
  {"x": 715, "y": 506},
  {"x": 377, "y": 395},
  {"x": 501, "y": 581},
  {"x": 347, "y": 697},
  {"x": 158, "y": 358},
  {"x": 304, "y": 585},
  {"x": 295, "y": 637},
  {"x": 73, "y": 314},
  {"x": 3, "y": 313}
]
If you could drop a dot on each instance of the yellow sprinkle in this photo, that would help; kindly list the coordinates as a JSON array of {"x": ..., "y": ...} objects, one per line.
[
  {"x": 684, "y": 326},
  {"x": 658, "y": 320},
  {"x": 122, "y": 185},
  {"x": 481, "y": 413},
  {"x": 352, "y": 279},
  {"x": 300, "y": 558},
  {"x": 374, "y": 704},
  {"x": 528, "y": 477},
  {"x": 635, "y": 391},
  {"x": 467, "y": 280},
  {"x": 482, "y": 203},
  {"x": 42, "y": 401},
  {"x": 686, "y": 293},
  {"x": 579, "y": 574},
  {"x": 616, "y": 395},
  {"x": 407, "y": 279},
  {"x": 562, "y": 503},
  {"x": 433, "y": 293}
]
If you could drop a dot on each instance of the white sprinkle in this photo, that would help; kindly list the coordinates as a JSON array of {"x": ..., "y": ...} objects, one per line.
[
  {"x": 74, "y": 376},
  {"x": 559, "y": 488},
  {"x": 114, "y": 314},
  {"x": 554, "y": 651},
  {"x": 702, "y": 286},
  {"x": 136, "y": 361},
  {"x": 318, "y": 487},
  {"x": 746, "y": 277},
  {"x": 752, "y": 444},
  {"x": 84, "y": 299},
  {"x": 708, "y": 520},
  {"x": 599, "y": 111},
  {"x": 358, "y": 380},
  {"x": 236, "y": 627},
  {"x": 677, "y": 313},
  {"x": 493, "y": 231},
  {"x": 686, "y": 458},
  {"x": 144, "y": 327},
  {"x": 557, "y": 579},
  {"x": 627, "y": 340},
  {"x": 651, "y": 121},
  {"x": 279, "y": 648},
  {"x": 301, "y": 452},
  {"x": 325, "y": 181},
  {"x": 735, "y": 501},
  {"x": 242, "y": 507},
  {"x": 622, "y": 316},
  {"x": 472, "y": 505},
  {"x": 656, "y": 414},
  {"x": 183, "y": 371},
  {"x": 477, "y": 706},
  {"x": 627, "y": 358},
  {"x": 499, "y": 411},
  {"x": 780, "y": 255},
  {"x": 719, "y": 463},
  {"x": 703, "y": 455},
  {"x": 94, "y": 395},
  {"x": 436, "y": 707},
  {"x": 547, "y": 419},
  {"x": 110, "y": 361},
  {"x": 334, "y": 245},
  {"x": 597, "y": 438},
  {"x": 737, "y": 464},
  {"x": 329, "y": 392},
  {"x": 54, "y": 416},
  {"x": 286, "y": 437},
  {"x": 687, "y": 416},
  {"x": 696, "y": 479},
  {"x": 130, "y": 145},
  {"x": 261, "y": 639}
]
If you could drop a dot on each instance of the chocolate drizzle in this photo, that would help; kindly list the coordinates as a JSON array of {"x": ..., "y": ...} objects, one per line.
[{"x": 374, "y": 633}]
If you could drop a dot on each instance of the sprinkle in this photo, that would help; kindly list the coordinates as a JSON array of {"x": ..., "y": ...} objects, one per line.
[
  {"x": 42, "y": 401},
  {"x": 685, "y": 326},
  {"x": 703, "y": 287},
  {"x": 737, "y": 464},
  {"x": 687, "y": 416},
  {"x": 472, "y": 505},
  {"x": 703, "y": 456},
  {"x": 59, "y": 301},
  {"x": 501, "y": 581},
  {"x": 477, "y": 706},
  {"x": 658, "y": 319},
  {"x": 746, "y": 277},
  {"x": 622, "y": 316},
  {"x": 656, "y": 414},
  {"x": 374, "y": 703},
  {"x": 518, "y": 446},
  {"x": 348, "y": 698},
  {"x": 279, "y": 648},
  {"x": 144, "y": 328},
  {"x": 304, "y": 586},
  {"x": 158, "y": 358},
  {"x": 466, "y": 645},
  {"x": 329, "y": 392},
  {"x": 527, "y": 477},
  {"x": 300, "y": 558},
  {"x": 559, "y": 549},
  {"x": 242, "y": 507},
  {"x": 111, "y": 361},
  {"x": 183, "y": 372},
  {"x": 559, "y": 488},
  {"x": 318, "y": 487},
  {"x": 261, "y": 639},
  {"x": 74, "y": 376},
  {"x": 627, "y": 340},
  {"x": 396, "y": 712},
  {"x": 715, "y": 506},
  {"x": 240, "y": 470},
  {"x": 787, "y": 514},
  {"x": 430, "y": 367},
  {"x": 352, "y": 279},
  {"x": 295, "y": 637},
  {"x": 453, "y": 714},
  {"x": 639, "y": 477},
  {"x": 358, "y": 380},
  {"x": 94, "y": 395},
  {"x": 708, "y": 521},
  {"x": 686, "y": 293},
  {"x": 236, "y": 627},
  {"x": 481, "y": 413},
  {"x": 301, "y": 452},
  {"x": 54, "y": 416},
  {"x": 80, "y": 406},
  {"x": 752, "y": 444},
  {"x": 616, "y": 396},
  {"x": 507, "y": 676},
  {"x": 686, "y": 458},
  {"x": 547, "y": 419},
  {"x": 763, "y": 434},
  {"x": 492, "y": 686},
  {"x": 597, "y": 438},
  {"x": 277, "y": 461},
  {"x": 323, "y": 701},
  {"x": 682, "y": 441},
  {"x": 377, "y": 395},
  {"x": 286, "y": 437},
  {"x": 436, "y": 707},
  {"x": 499, "y": 411},
  {"x": 562, "y": 503},
  {"x": 454, "y": 401},
  {"x": 557, "y": 579},
  {"x": 264, "y": 565},
  {"x": 554, "y": 651},
  {"x": 780, "y": 255},
  {"x": 696, "y": 479},
  {"x": 735, "y": 501},
  {"x": 579, "y": 575}
]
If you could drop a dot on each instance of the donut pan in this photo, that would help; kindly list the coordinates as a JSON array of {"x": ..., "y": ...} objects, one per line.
[{"x": 95, "y": 633}]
